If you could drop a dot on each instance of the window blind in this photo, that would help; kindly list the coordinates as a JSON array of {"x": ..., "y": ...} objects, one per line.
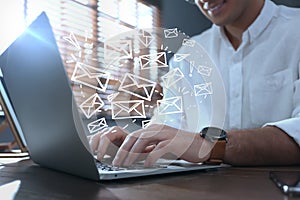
[{"x": 82, "y": 27}]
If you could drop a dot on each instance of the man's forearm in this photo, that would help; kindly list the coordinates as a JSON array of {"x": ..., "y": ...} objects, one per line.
[{"x": 262, "y": 146}]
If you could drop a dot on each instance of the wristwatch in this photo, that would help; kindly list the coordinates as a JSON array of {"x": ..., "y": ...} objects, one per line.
[{"x": 219, "y": 138}]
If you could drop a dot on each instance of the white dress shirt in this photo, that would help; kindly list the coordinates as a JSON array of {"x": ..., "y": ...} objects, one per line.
[{"x": 260, "y": 78}]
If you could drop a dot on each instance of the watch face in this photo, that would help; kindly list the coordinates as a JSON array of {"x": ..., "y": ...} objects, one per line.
[{"x": 214, "y": 133}]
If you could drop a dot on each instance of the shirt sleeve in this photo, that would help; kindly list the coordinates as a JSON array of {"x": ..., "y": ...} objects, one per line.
[
  {"x": 292, "y": 125},
  {"x": 195, "y": 111}
]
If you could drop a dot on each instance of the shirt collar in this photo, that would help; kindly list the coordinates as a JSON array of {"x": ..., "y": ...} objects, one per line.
[
  {"x": 259, "y": 25},
  {"x": 263, "y": 19}
]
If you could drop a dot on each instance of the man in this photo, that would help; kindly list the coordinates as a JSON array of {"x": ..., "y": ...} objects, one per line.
[{"x": 255, "y": 44}]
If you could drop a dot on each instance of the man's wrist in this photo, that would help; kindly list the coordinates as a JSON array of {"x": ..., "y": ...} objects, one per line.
[{"x": 216, "y": 139}]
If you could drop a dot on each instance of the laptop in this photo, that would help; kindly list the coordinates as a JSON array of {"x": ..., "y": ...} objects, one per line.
[
  {"x": 40, "y": 93},
  {"x": 10, "y": 116}
]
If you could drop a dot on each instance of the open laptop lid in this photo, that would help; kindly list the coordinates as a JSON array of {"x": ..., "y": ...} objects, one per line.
[
  {"x": 12, "y": 119},
  {"x": 41, "y": 95}
]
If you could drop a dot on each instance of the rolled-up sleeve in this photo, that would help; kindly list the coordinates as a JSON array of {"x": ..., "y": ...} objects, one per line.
[{"x": 292, "y": 126}]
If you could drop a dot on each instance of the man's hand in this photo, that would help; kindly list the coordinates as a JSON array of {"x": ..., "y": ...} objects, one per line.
[
  {"x": 110, "y": 137},
  {"x": 158, "y": 140}
]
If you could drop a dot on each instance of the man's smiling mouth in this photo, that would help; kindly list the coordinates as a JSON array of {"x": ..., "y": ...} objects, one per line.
[{"x": 213, "y": 8}]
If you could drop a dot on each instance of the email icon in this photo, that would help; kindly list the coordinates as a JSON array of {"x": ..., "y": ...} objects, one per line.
[
  {"x": 117, "y": 50},
  {"x": 203, "y": 70},
  {"x": 72, "y": 40},
  {"x": 188, "y": 42},
  {"x": 146, "y": 123},
  {"x": 128, "y": 109},
  {"x": 153, "y": 60},
  {"x": 90, "y": 76},
  {"x": 203, "y": 89},
  {"x": 179, "y": 57},
  {"x": 172, "y": 77},
  {"x": 171, "y": 105},
  {"x": 92, "y": 105},
  {"x": 137, "y": 86},
  {"x": 97, "y": 125},
  {"x": 171, "y": 33},
  {"x": 112, "y": 96},
  {"x": 145, "y": 37}
]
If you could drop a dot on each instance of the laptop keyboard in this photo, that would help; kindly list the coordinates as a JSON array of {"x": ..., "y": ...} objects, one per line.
[
  {"x": 107, "y": 167},
  {"x": 136, "y": 166}
]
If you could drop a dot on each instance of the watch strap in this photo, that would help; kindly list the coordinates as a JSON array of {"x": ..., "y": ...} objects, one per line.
[{"x": 217, "y": 153}]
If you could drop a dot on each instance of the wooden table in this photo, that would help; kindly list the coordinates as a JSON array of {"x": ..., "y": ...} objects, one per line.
[{"x": 38, "y": 183}]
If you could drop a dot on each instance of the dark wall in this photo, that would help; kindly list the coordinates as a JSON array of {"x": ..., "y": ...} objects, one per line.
[
  {"x": 292, "y": 3},
  {"x": 184, "y": 16},
  {"x": 189, "y": 19}
]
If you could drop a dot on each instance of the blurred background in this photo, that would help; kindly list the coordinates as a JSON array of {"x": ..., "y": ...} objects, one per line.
[{"x": 94, "y": 21}]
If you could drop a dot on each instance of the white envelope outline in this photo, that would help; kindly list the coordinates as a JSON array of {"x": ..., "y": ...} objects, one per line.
[
  {"x": 171, "y": 33},
  {"x": 91, "y": 105},
  {"x": 172, "y": 77},
  {"x": 153, "y": 60},
  {"x": 203, "y": 89},
  {"x": 72, "y": 40},
  {"x": 179, "y": 57},
  {"x": 117, "y": 50},
  {"x": 146, "y": 123},
  {"x": 203, "y": 70},
  {"x": 188, "y": 42},
  {"x": 171, "y": 105},
  {"x": 112, "y": 96},
  {"x": 123, "y": 109},
  {"x": 97, "y": 125},
  {"x": 82, "y": 73},
  {"x": 131, "y": 84},
  {"x": 145, "y": 38}
]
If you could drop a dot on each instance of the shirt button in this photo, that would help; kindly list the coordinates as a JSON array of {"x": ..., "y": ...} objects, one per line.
[
  {"x": 236, "y": 94},
  {"x": 236, "y": 58}
]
